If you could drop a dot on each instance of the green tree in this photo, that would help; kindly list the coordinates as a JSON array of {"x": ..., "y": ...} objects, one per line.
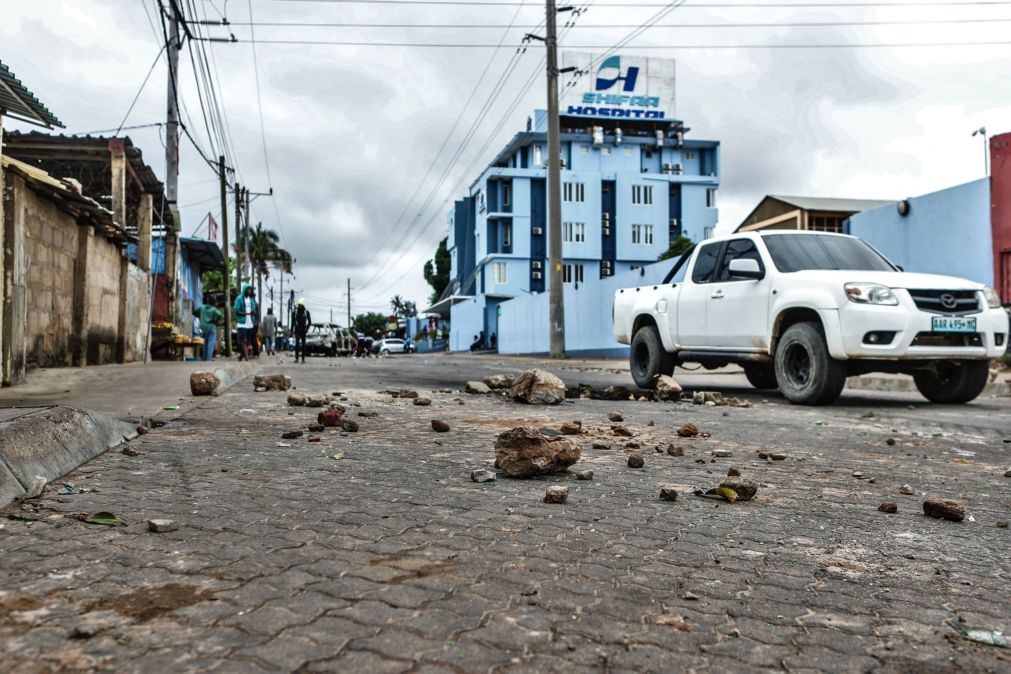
[
  {"x": 437, "y": 271},
  {"x": 370, "y": 324},
  {"x": 214, "y": 282},
  {"x": 677, "y": 248},
  {"x": 403, "y": 308},
  {"x": 264, "y": 253}
]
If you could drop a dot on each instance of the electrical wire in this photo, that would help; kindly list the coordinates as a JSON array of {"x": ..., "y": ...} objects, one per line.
[
  {"x": 478, "y": 45},
  {"x": 694, "y": 5},
  {"x": 140, "y": 90},
  {"x": 495, "y": 26}
]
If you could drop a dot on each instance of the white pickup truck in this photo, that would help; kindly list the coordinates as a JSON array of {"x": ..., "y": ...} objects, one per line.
[{"x": 802, "y": 311}]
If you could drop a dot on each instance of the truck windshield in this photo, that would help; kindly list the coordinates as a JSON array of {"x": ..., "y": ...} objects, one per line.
[{"x": 797, "y": 252}]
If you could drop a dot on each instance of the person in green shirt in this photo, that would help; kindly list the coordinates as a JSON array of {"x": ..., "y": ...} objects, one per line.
[{"x": 209, "y": 315}]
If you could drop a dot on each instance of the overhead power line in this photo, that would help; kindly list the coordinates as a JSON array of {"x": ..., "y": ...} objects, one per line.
[
  {"x": 487, "y": 45},
  {"x": 694, "y": 5}
]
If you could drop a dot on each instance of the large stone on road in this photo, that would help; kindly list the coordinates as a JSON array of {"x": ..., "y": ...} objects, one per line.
[
  {"x": 538, "y": 387},
  {"x": 667, "y": 389},
  {"x": 499, "y": 381},
  {"x": 204, "y": 383},
  {"x": 271, "y": 382},
  {"x": 525, "y": 452}
]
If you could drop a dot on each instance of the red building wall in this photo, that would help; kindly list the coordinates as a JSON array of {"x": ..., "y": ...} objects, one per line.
[{"x": 1000, "y": 215}]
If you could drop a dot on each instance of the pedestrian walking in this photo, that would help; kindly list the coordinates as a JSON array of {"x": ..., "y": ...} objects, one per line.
[
  {"x": 300, "y": 323},
  {"x": 268, "y": 330},
  {"x": 245, "y": 315},
  {"x": 209, "y": 316}
]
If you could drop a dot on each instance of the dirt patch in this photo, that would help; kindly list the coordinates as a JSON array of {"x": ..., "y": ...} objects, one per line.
[
  {"x": 14, "y": 601},
  {"x": 151, "y": 602}
]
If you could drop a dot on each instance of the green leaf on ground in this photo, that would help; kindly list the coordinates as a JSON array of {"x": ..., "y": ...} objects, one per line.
[
  {"x": 726, "y": 492},
  {"x": 103, "y": 518}
]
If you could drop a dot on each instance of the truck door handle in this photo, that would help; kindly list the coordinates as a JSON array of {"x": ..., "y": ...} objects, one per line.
[{"x": 717, "y": 295}]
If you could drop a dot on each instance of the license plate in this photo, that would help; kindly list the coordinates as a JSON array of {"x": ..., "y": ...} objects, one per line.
[{"x": 953, "y": 324}]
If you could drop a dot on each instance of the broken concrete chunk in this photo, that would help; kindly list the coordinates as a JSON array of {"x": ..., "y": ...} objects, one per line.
[
  {"x": 733, "y": 472},
  {"x": 635, "y": 460},
  {"x": 271, "y": 382},
  {"x": 525, "y": 452},
  {"x": 713, "y": 397},
  {"x": 406, "y": 393},
  {"x": 482, "y": 475},
  {"x": 890, "y": 508},
  {"x": 572, "y": 428},
  {"x": 583, "y": 474},
  {"x": 440, "y": 426},
  {"x": 556, "y": 494},
  {"x": 668, "y": 493},
  {"x": 722, "y": 453},
  {"x": 37, "y": 486},
  {"x": 162, "y": 526},
  {"x": 204, "y": 383},
  {"x": 423, "y": 402},
  {"x": 297, "y": 399},
  {"x": 621, "y": 431},
  {"x": 499, "y": 381},
  {"x": 349, "y": 426},
  {"x": 316, "y": 400},
  {"x": 291, "y": 435},
  {"x": 615, "y": 417},
  {"x": 688, "y": 430},
  {"x": 698, "y": 397},
  {"x": 675, "y": 450},
  {"x": 130, "y": 451},
  {"x": 538, "y": 387},
  {"x": 944, "y": 509},
  {"x": 667, "y": 389},
  {"x": 477, "y": 388},
  {"x": 601, "y": 445},
  {"x": 746, "y": 489},
  {"x": 906, "y": 489},
  {"x": 331, "y": 416}
]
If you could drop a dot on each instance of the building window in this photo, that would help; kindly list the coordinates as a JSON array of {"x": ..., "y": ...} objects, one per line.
[
  {"x": 689, "y": 156},
  {"x": 642, "y": 195},
  {"x": 824, "y": 223},
  {"x": 507, "y": 234},
  {"x": 501, "y": 272},
  {"x": 572, "y": 273},
  {"x": 574, "y": 232},
  {"x": 642, "y": 234},
  {"x": 708, "y": 232},
  {"x": 507, "y": 193},
  {"x": 574, "y": 192},
  {"x": 711, "y": 197},
  {"x": 538, "y": 159}
]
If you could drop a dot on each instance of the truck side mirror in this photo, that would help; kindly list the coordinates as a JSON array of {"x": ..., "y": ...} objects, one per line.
[{"x": 746, "y": 268}]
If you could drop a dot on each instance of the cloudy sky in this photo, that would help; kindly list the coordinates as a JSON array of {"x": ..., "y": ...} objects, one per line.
[{"x": 352, "y": 131}]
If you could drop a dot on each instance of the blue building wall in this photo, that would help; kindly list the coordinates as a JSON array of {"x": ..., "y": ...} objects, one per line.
[{"x": 945, "y": 232}]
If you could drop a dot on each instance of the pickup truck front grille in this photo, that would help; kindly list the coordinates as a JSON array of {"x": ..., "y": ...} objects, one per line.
[
  {"x": 944, "y": 339},
  {"x": 948, "y": 302}
]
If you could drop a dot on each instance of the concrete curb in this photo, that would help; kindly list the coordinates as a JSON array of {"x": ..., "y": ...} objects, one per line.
[
  {"x": 233, "y": 373},
  {"x": 905, "y": 385},
  {"x": 52, "y": 442}
]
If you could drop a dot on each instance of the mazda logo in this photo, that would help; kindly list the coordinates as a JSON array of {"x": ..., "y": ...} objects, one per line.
[{"x": 948, "y": 301}]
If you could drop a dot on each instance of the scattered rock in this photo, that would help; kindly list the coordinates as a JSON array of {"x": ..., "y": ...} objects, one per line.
[
  {"x": 499, "y": 381},
  {"x": 331, "y": 416},
  {"x": 733, "y": 472},
  {"x": 635, "y": 460},
  {"x": 621, "y": 431},
  {"x": 538, "y": 387},
  {"x": 583, "y": 474},
  {"x": 440, "y": 426},
  {"x": 291, "y": 435},
  {"x": 890, "y": 442},
  {"x": 633, "y": 445},
  {"x": 130, "y": 451},
  {"x": 368, "y": 415},
  {"x": 713, "y": 397},
  {"x": 601, "y": 445},
  {"x": 297, "y": 399},
  {"x": 698, "y": 397},
  {"x": 477, "y": 387},
  {"x": 746, "y": 489},
  {"x": 422, "y": 402},
  {"x": 906, "y": 489},
  {"x": 556, "y": 494},
  {"x": 482, "y": 475},
  {"x": 688, "y": 430},
  {"x": 615, "y": 417},
  {"x": 722, "y": 453},
  {"x": 315, "y": 438},
  {"x": 668, "y": 493},
  {"x": 204, "y": 383},
  {"x": 675, "y": 450},
  {"x": 36, "y": 488},
  {"x": 271, "y": 382},
  {"x": 858, "y": 475},
  {"x": 667, "y": 389},
  {"x": 162, "y": 526},
  {"x": 316, "y": 428},
  {"x": 944, "y": 509},
  {"x": 316, "y": 400},
  {"x": 890, "y": 508},
  {"x": 777, "y": 456},
  {"x": 525, "y": 452},
  {"x": 143, "y": 430},
  {"x": 688, "y": 596},
  {"x": 651, "y": 423},
  {"x": 1007, "y": 473},
  {"x": 407, "y": 393},
  {"x": 349, "y": 426},
  {"x": 572, "y": 428},
  {"x": 1002, "y": 524},
  {"x": 616, "y": 393}
]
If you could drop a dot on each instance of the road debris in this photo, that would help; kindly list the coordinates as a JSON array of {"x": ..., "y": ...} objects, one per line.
[
  {"x": 583, "y": 474},
  {"x": 477, "y": 388},
  {"x": 271, "y": 382},
  {"x": 349, "y": 426},
  {"x": 890, "y": 442},
  {"x": 599, "y": 444},
  {"x": 538, "y": 387},
  {"x": 291, "y": 435},
  {"x": 1002, "y": 524},
  {"x": 668, "y": 493},
  {"x": 160, "y": 526},
  {"x": 675, "y": 450},
  {"x": 130, "y": 451},
  {"x": 499, "y": 381},
  {"x": 143, "y": 430},
  {"x": 204, "y": 383},
  {"x": 406, "y": 394},
  {"x": 635, "y": 460},
  {"x": 331, "y": 416},
  {"x": 318, "y": 400},
  {"x": 556, "y": 494},
  {"x": 746, "y": 489},
  {"x": 621, "y": 431},
  {"x": 337, "y": 456},
  {"x": 887, "y": 507},
  {"x": 944, "y": 509},
  {"x": 422, "y": 402},
  {"x": 572, "y": 428},
  {"x": 482, "y": 475},
  {"x": 103, "y": 518},
  {"x": 722, "y": 453},
  {"x": 36, "y": 488},
  {"x": 368, "y": 415},
  {"x": 667, "y": 389},
  {"x": 688, "y": 430},
  {"x": 440, "y": 426},
  {"x": 314, "y": 438},
  {"x": 297, "y": 399},
  {"x": 525, "y": 452},
  {"x": 733, "y": 472},
  {"x": 615, "y": 417},
  {"x": 906, "y": 489},
  {"x": 988, "y": 637}
]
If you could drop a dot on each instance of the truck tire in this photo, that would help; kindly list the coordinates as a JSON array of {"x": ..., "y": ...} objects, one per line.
[
  {"x": 806, "y": 373},
  {"x": 761, "y": 375},
  {"x": 953, "y": 382},
  {"x": 647, "y": 357}
]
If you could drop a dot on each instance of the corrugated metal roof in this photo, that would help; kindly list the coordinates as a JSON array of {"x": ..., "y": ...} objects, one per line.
[
  {"x": 17, "y": 102},
  {"x": 831, "y": 204}
]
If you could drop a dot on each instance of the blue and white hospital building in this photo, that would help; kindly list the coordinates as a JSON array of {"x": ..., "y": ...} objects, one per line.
[{"x": 631, "y": 184}]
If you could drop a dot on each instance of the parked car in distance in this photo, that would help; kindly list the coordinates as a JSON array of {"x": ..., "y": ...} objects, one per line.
[
  {"x": 393, "y": 345},
  {"x": 320, "y": 340},
  {"x": 802, "y": 311}
]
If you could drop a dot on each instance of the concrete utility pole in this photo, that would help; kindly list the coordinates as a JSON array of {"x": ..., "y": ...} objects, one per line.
[
  {"x": 171, "y": 249},
  {"x": 238, "y": 237},
  {"x": 556, "y": 302},
  {"x": 226, "y": 277},
  {"x": 349, "y": 304}
]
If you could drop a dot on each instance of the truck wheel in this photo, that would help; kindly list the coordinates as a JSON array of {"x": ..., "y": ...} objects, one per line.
[
  {"x": 647, "y": 357},
  {"x": 953, "y": 382},
  {"x": 761, "y": 375},
  {"x": 806, "y": 373}
]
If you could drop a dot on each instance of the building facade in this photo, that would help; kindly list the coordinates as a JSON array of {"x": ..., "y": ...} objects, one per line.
[{"x": 629, "y": 188}]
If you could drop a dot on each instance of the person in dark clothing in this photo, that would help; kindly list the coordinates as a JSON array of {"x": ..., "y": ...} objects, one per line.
[{"x": 300, "y": 324}]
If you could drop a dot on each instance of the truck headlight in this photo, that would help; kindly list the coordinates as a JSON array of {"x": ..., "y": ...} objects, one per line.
[
  {"x": 870, "y": 293},
  {"x": 991, "y": 297}
]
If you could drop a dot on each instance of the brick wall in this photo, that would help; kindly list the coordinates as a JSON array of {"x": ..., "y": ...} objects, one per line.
[{"x": 102, "y": 298}]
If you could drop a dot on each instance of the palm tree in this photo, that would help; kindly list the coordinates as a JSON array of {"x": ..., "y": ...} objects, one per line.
[
  {"x": 264, "y": 253},
  {"x": 397, "y": 304}
]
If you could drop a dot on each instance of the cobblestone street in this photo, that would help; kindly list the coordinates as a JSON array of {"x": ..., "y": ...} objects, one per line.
[{"x": 373, "y": 551}]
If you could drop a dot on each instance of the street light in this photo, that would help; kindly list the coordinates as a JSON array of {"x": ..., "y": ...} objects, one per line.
[{"x": 981, "y": 131}]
